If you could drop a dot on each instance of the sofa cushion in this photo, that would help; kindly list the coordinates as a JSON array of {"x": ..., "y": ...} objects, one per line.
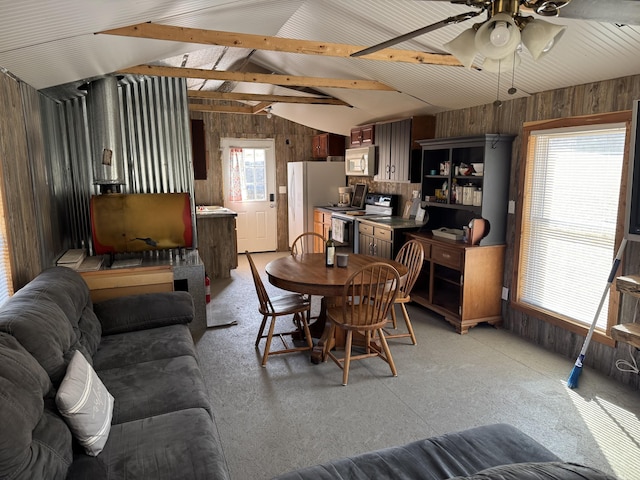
[
  {"x": 43, "y": 330},
  {"x": 85, "y": 404},
  {"x": 139, "y": 312},
  {"x": 67, "y": 289},
  {"x": 539, "y": 471},
  {"x": 51, "y": 317},
  {"x": 32, "y": 442},
  {"x": 175, "y": 445},
  {"x": 156, "y": 387},
  {"x": 437, "y": 458},
  {"x": 122, "y": 349}
]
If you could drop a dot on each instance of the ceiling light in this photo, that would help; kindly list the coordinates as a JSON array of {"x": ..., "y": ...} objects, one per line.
[
  {"x": 498, "y": 37},
  {"x": 540, "y": 37},
  {"x": 463, "y": 47},
  {"x": 268, "y": 110},
  {"x": 502, "y": 65}
]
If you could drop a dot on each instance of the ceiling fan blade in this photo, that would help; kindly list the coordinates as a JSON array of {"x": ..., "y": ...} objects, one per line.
[
  {"x": 612, "y": 11},
  {"x": 420, "y": 31}
]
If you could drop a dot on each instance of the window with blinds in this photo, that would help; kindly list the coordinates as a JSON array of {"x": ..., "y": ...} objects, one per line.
[
  {"x": 570, "y": 212},
  {"x": 6, "y": 283}
]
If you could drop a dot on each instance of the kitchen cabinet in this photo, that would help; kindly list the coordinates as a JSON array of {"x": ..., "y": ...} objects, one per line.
[
  {"x": 375, "y": 240},
  {"x": 443, "y": 182},
  {"x": 396, "y": 141},
  {"x": 363, "y": 135},
  {"x": 461, "y": 282},
  {"x": 321, "y": 225},
  {"x": 328, "y": 145},
  {"x": 218, "y": 243}
]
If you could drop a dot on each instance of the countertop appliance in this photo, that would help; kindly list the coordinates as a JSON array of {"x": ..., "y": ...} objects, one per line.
[{"x": 310, "y": 184}]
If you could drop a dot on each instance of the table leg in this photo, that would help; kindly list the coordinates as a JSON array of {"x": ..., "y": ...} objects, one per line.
[{"x": 326, "y": 342}]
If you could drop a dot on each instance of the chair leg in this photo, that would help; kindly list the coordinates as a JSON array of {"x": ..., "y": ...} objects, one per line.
[
  {"x": 387, "y": 352},
  {"x": 393, "y": 316},
  {"x": 267, "y": 346},
  {"x": 408, "y": 322},
  {"x": 261, "y": 330},
  {"x": 347, "y": 357},
  {"x": 305, "y": 326}
]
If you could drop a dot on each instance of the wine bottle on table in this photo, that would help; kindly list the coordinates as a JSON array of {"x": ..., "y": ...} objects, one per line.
[{"x": 330, "y": 251}]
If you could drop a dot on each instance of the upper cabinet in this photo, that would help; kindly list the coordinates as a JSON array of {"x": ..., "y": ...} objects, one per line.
[
  {"x": 467, "y": 177},
  {"x": 396, "y": 141},
  {"x": 363, "y": 136},
  {"x": 328, "y": 145}
]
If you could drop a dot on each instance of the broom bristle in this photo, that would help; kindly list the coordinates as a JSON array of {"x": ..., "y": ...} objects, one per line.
[{"x": 572, "y": 381}]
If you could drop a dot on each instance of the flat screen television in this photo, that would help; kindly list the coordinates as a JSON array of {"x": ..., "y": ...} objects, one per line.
[{"x": 632, "y": 220}]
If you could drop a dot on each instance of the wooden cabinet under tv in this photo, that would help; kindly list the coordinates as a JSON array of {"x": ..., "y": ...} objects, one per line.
[{"x": 459, "y": 281}]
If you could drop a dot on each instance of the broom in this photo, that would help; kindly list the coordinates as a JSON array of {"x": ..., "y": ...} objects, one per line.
[{"x": 572, "y": 381}]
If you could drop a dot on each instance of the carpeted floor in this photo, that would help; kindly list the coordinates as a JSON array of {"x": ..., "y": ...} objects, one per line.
[{"x": 294, "y": 413}]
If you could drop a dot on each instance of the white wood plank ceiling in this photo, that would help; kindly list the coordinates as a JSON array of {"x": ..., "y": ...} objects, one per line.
[{"x": 47, "y": 44}]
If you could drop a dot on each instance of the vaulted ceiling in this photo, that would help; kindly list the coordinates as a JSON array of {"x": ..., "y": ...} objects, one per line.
[{"x": 56, "y": 46}]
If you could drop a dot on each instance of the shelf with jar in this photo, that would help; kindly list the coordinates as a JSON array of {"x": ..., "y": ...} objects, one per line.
[{"x": 468, "y": 174}]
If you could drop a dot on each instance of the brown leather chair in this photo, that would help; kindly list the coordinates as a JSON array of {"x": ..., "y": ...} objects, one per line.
[
  {"x": 367, "y": 297},
  {"x": 282, "y": 305},
  {"x": 411, "y": 255}
]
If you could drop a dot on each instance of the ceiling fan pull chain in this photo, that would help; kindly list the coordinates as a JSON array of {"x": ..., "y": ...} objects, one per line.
[
  {"x": 498, "y": 103},
  {"x": 513, "y": 89}
]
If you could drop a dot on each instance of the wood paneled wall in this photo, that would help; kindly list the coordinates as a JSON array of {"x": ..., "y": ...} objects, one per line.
[
  {"x": 31, "y": 221},
  {"x": 292, "y": 144},
  {"x": 593, "y": 98}
]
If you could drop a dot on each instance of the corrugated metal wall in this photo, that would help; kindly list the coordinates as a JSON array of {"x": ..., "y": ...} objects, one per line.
[{"x": 156, "y": 142}]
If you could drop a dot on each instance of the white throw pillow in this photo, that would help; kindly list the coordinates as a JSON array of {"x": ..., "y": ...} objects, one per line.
[{"x": 86, "y": 405}]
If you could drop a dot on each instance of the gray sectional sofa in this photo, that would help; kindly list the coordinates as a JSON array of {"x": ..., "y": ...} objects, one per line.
[
  {"x": 161, "y": 424},
  {"x": 490, "y": 452}
]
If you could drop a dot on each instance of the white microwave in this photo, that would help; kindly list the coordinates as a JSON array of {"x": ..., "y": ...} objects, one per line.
[{"x": 360, "y": 161}]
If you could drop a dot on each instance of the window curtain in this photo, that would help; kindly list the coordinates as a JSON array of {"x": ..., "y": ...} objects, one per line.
[{"x": 236, "y": 187}]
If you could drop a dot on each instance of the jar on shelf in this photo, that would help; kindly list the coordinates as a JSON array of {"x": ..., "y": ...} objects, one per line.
[
  {"x": 477, "y": 198},
  {"x": 467, "y": 194}
]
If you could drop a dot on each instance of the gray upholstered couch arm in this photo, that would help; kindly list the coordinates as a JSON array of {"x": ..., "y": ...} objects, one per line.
[{"x": 139, "y": 312}]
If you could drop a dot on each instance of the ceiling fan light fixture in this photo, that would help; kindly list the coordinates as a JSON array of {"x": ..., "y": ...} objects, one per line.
[
  {"x": 463, "y": 47},
  {"x": 505, "y": 64},
  {"x": 540, "y": 37},
  {"x": 497, "y": 45}
]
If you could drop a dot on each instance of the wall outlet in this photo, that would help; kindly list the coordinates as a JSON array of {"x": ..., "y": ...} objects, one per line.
[
  {"x": 505, "y": 293},
  {"x": 512, "y": 207}
]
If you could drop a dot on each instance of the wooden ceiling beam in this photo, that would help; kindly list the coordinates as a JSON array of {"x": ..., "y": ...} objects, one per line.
[
  {"x": 203, "y": 107},
  {"x": 284, "y": 80},
  {"x": 255, "y": 97},
  {"x": 277, "y": 44}
]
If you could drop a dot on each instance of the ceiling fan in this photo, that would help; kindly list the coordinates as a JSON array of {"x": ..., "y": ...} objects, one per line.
[{"x": 498, "y": 38}]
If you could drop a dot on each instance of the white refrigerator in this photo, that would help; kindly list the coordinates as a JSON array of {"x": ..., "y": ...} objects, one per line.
[{"x": 309, "y": 185}]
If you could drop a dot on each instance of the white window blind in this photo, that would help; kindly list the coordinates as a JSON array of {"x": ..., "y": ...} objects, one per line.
[
  {"x": 570, "y": 213},
  {"x": 6, "y": 283}
]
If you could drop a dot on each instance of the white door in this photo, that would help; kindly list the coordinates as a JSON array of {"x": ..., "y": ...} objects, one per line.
[{"x": 249, "y": 168}]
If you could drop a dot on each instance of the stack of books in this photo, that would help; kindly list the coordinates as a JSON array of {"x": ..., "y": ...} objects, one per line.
[{"x": 72, "y": 259}]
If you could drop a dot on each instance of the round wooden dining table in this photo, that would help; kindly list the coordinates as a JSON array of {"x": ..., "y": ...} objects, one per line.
[{"x": 308, "y": 274}]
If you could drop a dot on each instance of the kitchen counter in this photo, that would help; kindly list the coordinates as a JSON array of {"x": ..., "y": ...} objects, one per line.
[
  {"x": 392, "y": 222},
  {"x": 214, "y": 211},
  {"x": 217, "y": 240}
]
